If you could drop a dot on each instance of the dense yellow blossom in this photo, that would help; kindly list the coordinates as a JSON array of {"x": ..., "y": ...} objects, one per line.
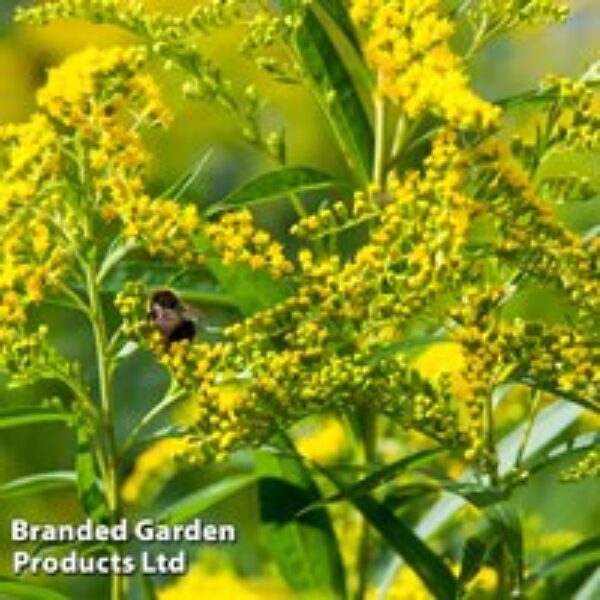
[
  {"x": 408, "y": 45},
  {"x": 238, "y": 240}
]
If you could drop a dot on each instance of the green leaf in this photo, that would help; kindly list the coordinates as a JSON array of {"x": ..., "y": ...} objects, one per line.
[
  {"x": 477, "y": 494},
  {"x": 40, "y": 482},
  {"x": 89, "y": 491},
  {"x": 335, "y": 91},
  {"x": 192, "y": 284},
  {"x": 473, "y": 556},
  {"x": 16, "y": 417},
  {"x": 550, "y": 423},
  {"x": 505, "y": 521},
  {"x": 583, "y": 554},
  {"x": 378, "y": 477},
  {"x": 339, "y": 15},
  {"x": 579, "y": 163},
  {"x": 425, "y": 563},
  {"x": 305, "y": 548},
  {"x": 187, "y": 179},
  {"x": 15, "y": 589},
  {"x": 273, "y": 185},
  {"x": 250, "y": 290},
  {"x": 197, "y": 502},
  {"x": 571, "y": 447}
]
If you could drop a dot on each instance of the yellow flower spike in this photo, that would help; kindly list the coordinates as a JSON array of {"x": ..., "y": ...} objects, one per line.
[{"x": 408, "y": 45}]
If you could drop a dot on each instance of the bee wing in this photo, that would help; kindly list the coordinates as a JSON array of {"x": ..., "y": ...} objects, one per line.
[
  {"x": 191, "y": 313},
  {"x": 198, "y": 318}
]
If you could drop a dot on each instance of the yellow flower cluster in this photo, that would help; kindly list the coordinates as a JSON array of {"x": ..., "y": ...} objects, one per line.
[
  {"x": 237, "y": 240},
  {"x": 408, "y": 46},
  {"x": 314, "y": 351},
  {"x": 163, "y": 227},
  {"x": 553, "y": 253},
  {"x": 338, "y": 341},
  {"x": 571, "y": 122},
  {"x": 331, "y": 220},
  {"x": 549, "y": 357},
  {"x": 34, "y": 253},
  {"x": 166, "y": 35},
  {"x": 497, "y": 17}
]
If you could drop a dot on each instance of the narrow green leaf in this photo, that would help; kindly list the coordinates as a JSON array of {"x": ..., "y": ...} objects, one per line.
[
  {"x": 581, "y": 163},
  {"x": 27, "y": 415},
  {"x": 585, "y": 553},
  {"x": 571, "y": 447},
  {"x": 249, "y": 290},
  {"x": 378, "y": 477},
  {"x": 477, "y": 494},
  {"x": 192, "y": 284},
  {"x": 40, "y": 482},
  {"x": 15, "y": 589},
  {"x": 187, "y": 179},
  {"x": 197, "y": 502},
  {"x": 335, "y": 91},
  {"x": 338, "y": 14},
  {"x": 426, "y": 564},
  {"x": 473, "y": 556},
  {"x": 551, "y": 422},
  {"x": 526, "y": 98},
  {"x": 273, "y": 185},
  {"x": 590, "y": 589},
  {"x": 590, "y": 77},
  {"x": 505, "y": 521},
  {"x": 305, "y": 548},
  {"x": 90, "y": 494}
]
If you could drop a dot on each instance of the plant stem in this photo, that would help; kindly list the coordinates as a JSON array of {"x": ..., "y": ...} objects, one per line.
[
  {"x": 379, "y": 150},
  {"x": 369, "y": 437},
  {"x": 172, "y": 396},
  {"x": 367, "y": 417},
  {"x": 107, "y": 415}
]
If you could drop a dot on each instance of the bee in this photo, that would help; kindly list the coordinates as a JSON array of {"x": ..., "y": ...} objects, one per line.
[{"x": 173, "y": 318}]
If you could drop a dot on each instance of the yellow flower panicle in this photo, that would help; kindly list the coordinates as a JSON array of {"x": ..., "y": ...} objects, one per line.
[
  {"x": 237, "y": 240},
  {"x": 408, "y": 45}
]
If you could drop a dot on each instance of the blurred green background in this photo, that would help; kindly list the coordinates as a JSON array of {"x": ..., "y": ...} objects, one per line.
[{"x": 505, "y": 67}]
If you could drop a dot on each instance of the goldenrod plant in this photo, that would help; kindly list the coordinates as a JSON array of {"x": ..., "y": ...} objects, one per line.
[{"x": 369, "y": 378}]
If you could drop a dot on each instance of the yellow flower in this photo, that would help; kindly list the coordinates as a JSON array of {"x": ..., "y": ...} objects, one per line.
[{"x": 408, "y": 46}]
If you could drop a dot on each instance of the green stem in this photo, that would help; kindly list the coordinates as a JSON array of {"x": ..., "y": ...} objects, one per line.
[
  {"x": 114, "y": 258},
  {"x": 367, "y": 419},
  {"x": 302, "y": 213},
  {"x": 107, "y": 414},
  {"x": 490, "y": 444},
  {"x": 172, "y": 396},
  {"x": 527, "y": 434},
  {"x": 379, "y": 150}
]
